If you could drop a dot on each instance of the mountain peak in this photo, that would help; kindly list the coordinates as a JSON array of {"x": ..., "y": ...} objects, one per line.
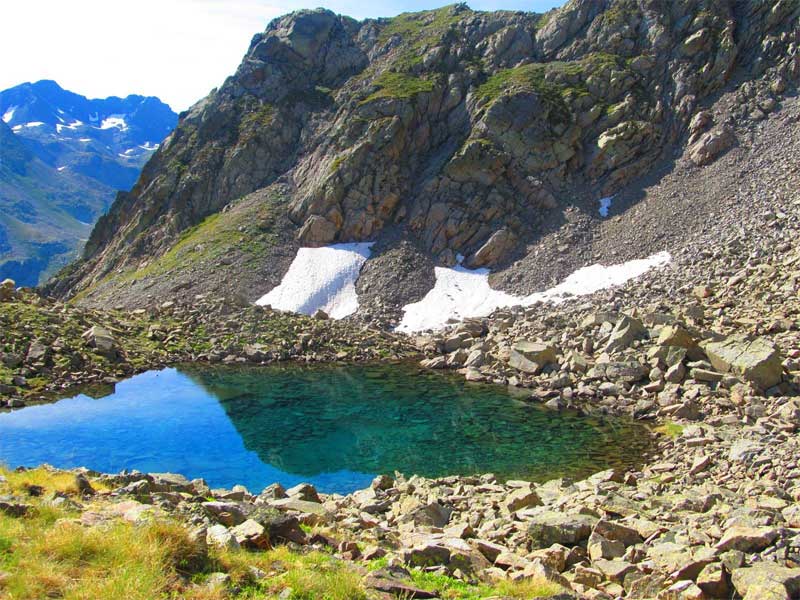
[{"x": 62, "y": 156}]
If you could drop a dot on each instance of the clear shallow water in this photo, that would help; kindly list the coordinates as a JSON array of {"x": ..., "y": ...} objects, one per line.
[{"x": 335, "y": 426}]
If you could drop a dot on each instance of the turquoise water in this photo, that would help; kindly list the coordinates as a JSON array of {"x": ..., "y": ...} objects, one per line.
[{"x": 335, "y": 426}]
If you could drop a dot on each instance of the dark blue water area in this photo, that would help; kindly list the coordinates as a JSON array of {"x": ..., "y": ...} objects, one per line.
[{"x": 334, "y": 426}]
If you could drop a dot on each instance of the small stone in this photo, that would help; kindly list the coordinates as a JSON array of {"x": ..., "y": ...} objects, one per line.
[{"x": 304, "y": 491}]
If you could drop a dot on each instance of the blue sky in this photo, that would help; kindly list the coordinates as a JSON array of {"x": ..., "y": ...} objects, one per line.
[{"x": 175, "y": 49}]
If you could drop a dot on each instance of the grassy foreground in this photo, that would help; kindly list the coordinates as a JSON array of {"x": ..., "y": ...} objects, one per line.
[{"x": 51, "y": 552}]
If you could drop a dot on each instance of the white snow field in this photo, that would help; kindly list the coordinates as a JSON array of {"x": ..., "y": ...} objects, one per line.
[
  {"x": 605, "y": 205},
  {"x": 460, "y": 293},
  {"x": 112, "y": 121},
  {"x": 321, "y": 278}
]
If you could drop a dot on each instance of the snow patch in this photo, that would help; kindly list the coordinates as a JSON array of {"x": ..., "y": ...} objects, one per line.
[
  {"x": 461, "y": 293},
  {"x": 84, "y": 140},
  {"x": 9, "y": 114},
  {"x": 74, "y": 125},
  {"x": 605, "y": 205},
  {"x": 112, "y": 121},
  {"x": 59, "y": 169},
  {"x": 149, "y": 146},
  {"x": 33, "y": 124},
  {"x": 321, "y": 278}
]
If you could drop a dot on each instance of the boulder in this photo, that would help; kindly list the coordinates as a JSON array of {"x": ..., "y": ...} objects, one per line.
[
  {"x": 221, "y": 537},
  {"x": 251, "y": 534},
  {"x": 714, "y": 581},
  {"x": 101, "y": 340},
  {"x": 767, "y": 581},
  {"x": 531, "y": 357},
  {"x": 227, "y": 513},
  {"x": 711, "y": 144},
  {"x": 757, "y": 360},
  {"x": 612, "y": 530},
  {"x": 280, "y": 528},
  {"x": 395, "y": 584},
  {"x": 745, "y": 450},
  {"x": 304, "y": 491},
  {"x": 624, "y": 333},
  {"x": 747, "y": 539},
  {"x": 8, "y": 290},
  {"x": 38, "y": 351},
  {"x": 551, "y": 527},
  {"x": 599, "y": 547},
  {"x": 432, "y": 514},
  {"x": 427, "y": 555},
  {"x": 521, "y": 498},
  {"x": 317, "y": 231},
  {"x": 494, "y": 250}
]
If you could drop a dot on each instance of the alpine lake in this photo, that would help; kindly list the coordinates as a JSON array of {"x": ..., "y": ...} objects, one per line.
[{"x": 335, "y": 426}]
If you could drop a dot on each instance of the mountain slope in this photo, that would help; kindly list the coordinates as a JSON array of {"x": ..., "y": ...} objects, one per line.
[
  {"x": 447, "y": 132},
  {"x": 62, "y": 157},
  {"x": 44, "y": 214}
]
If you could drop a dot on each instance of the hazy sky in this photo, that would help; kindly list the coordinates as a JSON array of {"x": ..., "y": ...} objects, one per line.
[{"x": 175, "y": 49}]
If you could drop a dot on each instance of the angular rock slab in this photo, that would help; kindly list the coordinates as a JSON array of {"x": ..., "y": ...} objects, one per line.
[{"x": 758, "y": 360}]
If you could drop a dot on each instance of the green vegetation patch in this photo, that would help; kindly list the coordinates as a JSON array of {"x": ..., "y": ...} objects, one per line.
[
  {"x": 398, "y": 85},
  {"x": 248, "y": 231},
  {"x": 419, "y": 32},
  {"x": 449, "y": 588},
  {"x": 260, "y": 117},
  {"x": 528, "y": 78},
  {"x": 670, "y": 429}
]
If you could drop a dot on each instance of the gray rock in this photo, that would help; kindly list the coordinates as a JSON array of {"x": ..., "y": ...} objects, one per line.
[
  {"x": 757, "y": 360},
  {"x": 221, "y": 537},
  {"x": 624, "y": 333},
  {"x": 711, "y": 144},
  {"x": 531, "y": 357},
  {"x": 551, "y": 527},
  {"x": 767, "y": 581},
  {"x": 101, "y": 340}
]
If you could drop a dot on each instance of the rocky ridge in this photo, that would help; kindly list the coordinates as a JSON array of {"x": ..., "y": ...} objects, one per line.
[{"x": 438, "y": 133}]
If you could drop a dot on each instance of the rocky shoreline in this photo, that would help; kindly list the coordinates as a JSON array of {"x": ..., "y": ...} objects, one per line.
[{"x": 49, "y": 349}]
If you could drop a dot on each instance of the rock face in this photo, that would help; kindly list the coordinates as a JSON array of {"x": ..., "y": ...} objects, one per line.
[{"x": 461, "y": 132}]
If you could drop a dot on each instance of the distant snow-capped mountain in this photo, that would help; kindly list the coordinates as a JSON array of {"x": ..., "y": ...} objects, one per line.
[
  {"x": 106, "y": 139},
  {"x": 62, "y": 159}
]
